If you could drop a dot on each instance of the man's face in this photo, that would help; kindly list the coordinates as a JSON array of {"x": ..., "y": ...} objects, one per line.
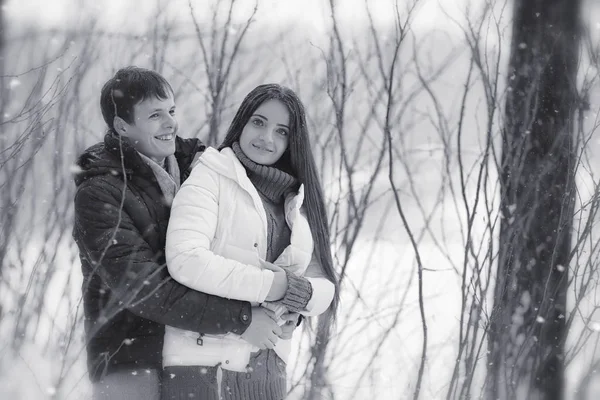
[{"x": 153, "y": 129}]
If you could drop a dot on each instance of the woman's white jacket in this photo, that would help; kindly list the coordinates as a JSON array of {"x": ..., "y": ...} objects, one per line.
[{"x": 216, "y": 237}]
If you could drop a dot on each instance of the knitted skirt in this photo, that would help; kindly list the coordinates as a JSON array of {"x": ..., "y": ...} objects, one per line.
[{"x": 265, "y": 379}]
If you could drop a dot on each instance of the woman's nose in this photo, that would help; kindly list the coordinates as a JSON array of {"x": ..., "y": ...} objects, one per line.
[{"x": 268, "y": 135}]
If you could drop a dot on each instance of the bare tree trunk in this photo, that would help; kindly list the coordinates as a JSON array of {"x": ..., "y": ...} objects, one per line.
[
  {"x": 2, "y": 31},
  {"x": 527, "y": 332},
  {"x": 2, "y": 105}
]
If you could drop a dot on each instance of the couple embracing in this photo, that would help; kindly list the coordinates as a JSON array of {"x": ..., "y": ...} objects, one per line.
[{"x": 198, "y": 263}]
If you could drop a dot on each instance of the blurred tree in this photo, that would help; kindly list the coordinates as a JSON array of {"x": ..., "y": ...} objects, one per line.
[
  {"x": 528, "y": 330},
  {"x": 2, "y": 39},
  {"x": 1, "y": 29},
  {"x": 220, "y": 44}
]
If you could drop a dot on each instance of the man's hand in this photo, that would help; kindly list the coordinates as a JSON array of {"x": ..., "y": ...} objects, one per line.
[
  {"x": 263, "y": 331},
  {"x": 287, "y": 330}
]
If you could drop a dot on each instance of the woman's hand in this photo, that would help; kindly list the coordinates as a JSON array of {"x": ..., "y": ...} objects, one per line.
[
  {"x": 280, "y": 281},
  {"x": 287, "y": 329}
]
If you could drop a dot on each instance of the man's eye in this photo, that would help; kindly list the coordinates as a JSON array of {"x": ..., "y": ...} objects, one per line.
[
  {"x": 172, "y": 112},
  {"x": 154, "y": 115}
]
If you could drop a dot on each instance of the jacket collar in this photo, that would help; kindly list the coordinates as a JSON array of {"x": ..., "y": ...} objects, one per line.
[
  {"x": 226, "y": 163},
  {"x": 133, "y": 162},
  {"x": 116, "y": 156},
  {"x": 121, "y": 148}
]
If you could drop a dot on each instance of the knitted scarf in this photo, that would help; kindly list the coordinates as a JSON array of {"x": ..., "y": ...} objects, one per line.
[
  {"x": 270, "y": 182},
  {"x": 167, "y": 176}
]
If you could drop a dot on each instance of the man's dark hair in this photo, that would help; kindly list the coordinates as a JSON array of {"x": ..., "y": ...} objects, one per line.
[{"x": 128, "y": 87}]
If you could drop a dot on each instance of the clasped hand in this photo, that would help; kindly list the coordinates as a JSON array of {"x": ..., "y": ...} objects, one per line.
[
  {"x": 264, "y": 331},
  {"x": 280, "y": 282}
]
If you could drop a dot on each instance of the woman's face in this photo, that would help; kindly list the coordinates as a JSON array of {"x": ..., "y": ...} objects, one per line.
[{"x": 265, "y": 136}]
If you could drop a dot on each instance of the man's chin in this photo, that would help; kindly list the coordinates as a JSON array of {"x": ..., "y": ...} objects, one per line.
[
  {"x": 168, "y": 149},
  {"x": 160, "y": 155}
]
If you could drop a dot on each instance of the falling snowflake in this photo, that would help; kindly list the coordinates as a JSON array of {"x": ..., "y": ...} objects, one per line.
[
  {"x": 75, "y": 169},
  {"x": 172, "y": 376},
  {"x": 540, "y": 319},
  {"x": 51, "y": 391},
  {"x": 118, "y": 93},
  {"x": 560, "y": 268},
  {"x": 595, "y": 326},
  {"x": 14, "y": 83}
]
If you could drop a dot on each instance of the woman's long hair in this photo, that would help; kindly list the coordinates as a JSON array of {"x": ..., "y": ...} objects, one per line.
[{"x": 299, "y": 160}]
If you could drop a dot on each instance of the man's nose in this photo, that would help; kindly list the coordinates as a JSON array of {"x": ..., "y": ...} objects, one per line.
[{"x": 169, "y": 121}]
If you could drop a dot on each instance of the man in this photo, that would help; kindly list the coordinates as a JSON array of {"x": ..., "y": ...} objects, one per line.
[{"x": 122, "y": 204}]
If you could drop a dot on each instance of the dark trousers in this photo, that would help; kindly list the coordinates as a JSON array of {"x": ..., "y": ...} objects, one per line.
[
  {"x": 265, "y": 379},
  {"x": 135, "y": 384}
]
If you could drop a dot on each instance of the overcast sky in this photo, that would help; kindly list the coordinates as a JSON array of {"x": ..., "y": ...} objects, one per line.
[{"x": 115, "y": 13}]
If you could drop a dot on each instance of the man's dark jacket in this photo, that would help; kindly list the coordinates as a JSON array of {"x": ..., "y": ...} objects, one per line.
[{"x": 120, "y": 227}]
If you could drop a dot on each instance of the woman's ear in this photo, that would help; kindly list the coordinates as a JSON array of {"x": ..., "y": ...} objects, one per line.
[{"x": 120, "y": 126}]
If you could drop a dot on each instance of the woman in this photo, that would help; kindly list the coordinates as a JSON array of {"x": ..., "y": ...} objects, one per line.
[{"x": 250, "y": 224}]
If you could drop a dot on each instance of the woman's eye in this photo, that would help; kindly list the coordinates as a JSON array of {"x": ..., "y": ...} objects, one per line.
[
  {"x": 258, "y": 122},
  {"x": 282, "y": 132}
]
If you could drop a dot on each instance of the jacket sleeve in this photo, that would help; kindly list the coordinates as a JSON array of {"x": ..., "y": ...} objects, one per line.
[
  {"x": 107, "y": 238},
  {"x": 322, "y": 289},
  {"x": 192, "y": 229}
]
